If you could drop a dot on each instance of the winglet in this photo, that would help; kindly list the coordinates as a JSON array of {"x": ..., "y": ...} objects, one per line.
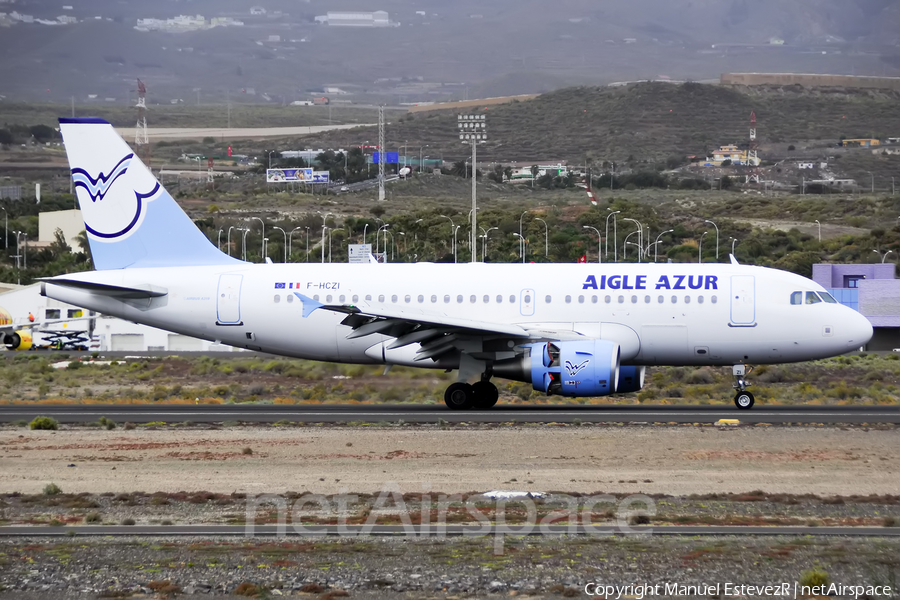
[
  {"x": 309, "y": 305},
  {"x": 734, "y": 261}
]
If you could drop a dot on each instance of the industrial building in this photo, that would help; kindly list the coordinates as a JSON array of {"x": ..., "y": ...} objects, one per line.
[
  {"x": 731, "y": 152},
  {"x": 378, "y": 18}
]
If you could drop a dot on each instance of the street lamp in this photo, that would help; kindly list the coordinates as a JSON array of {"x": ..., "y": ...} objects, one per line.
[
  {"x": 820, "y": 230},
  {"x": 625, "y": 246},
  {"x": 546, "y": 237},
  {"x": 886, "y": 255},
  {"x": 291, "y": 237},
  {"x": 656, "y": 244},
  {"x": 263, "y": 232},
  {"x": 219, "y": 240},
  {"x": 521, "y": 246},
  {"x": 270, "y": 158},
  {"x": 484, "y": 242},
  {"x": 733, "y": 242},
  {"x": 324, "y": 218},
  {"x": 452, "y": 226},
  {"x": 265, "y": 249},
  {"x": 717, "y": 237},
  {"x": 611, "y": 214},
  {"x": 700, "y": 249},
  {"x": 454, "y": 242},
  {"x": 599, "y": 240},
  {"x": 393, "y": 246},
  {"x": 640, "y": 233},
  {"x": 244, "y": 243},
  {"x": 420, "y": 156},
  {"x": 473, "y": 128},
  {"x": 228, "y": 238},
  {"x": 285, "y": 242}
]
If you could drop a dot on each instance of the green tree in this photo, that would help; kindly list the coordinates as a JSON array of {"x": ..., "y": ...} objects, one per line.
[{"x": 43, "y": 133}]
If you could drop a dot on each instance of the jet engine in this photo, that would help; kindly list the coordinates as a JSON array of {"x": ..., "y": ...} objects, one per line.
[
  {"x": 631, "y": 379},
  {"x": 20, "y": 340},
  {"x": 575, "y": 369}
]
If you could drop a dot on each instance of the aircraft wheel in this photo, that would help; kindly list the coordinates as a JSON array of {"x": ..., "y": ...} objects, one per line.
[
  {"x": 486, "y": 394},
  {"x": 744, "y": 400},
  {"x": 459, "y": 396}
]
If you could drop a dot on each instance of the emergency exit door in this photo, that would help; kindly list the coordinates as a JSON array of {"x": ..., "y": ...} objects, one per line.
[{"x": 743, "y": 301}]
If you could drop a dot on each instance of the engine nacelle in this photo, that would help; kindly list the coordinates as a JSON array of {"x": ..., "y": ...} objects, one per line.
[
  {"x": 575, "y": 369},
  {"x": 20, "y": 340},
  {"x": 631, "y": 379}
]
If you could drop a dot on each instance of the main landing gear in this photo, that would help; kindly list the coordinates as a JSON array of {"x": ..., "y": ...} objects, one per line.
[
  {"x": 463, "y": 396},
  {"x": 743, "y": 399}
]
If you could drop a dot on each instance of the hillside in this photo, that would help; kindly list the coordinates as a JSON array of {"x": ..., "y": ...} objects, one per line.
[{"x": 650, "y": 121}]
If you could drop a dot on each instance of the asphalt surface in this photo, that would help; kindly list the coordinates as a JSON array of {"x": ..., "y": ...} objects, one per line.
[
  {"x": 416, "y": 413},
  {"x": 435, "y": 531}
]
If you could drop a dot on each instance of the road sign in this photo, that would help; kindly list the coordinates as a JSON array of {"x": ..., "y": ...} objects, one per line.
[
  {"x": 319, "y": 177},
  {"x": 359, "y": 253},
  {"x": 391, "y": 158}
]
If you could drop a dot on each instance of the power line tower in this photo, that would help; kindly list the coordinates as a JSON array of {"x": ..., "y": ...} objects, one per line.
[
  {"x": 141, "y": 138},
  {"x": 382, "y": 155},
  {"x": 753, "y": 152}
]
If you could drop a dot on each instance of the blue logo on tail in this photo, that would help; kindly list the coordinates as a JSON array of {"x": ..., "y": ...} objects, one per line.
[{"x": 98, "y": 187}]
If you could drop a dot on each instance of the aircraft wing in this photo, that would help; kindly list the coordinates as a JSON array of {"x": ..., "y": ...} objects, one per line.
[{"x": 436, "y": 333}]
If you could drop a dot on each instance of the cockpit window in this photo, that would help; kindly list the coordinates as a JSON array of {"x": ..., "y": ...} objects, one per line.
[
  {"x": 797, "y": 298},
  {"x": 828, "y": 298},
  {"x": 812, "y": 298}
]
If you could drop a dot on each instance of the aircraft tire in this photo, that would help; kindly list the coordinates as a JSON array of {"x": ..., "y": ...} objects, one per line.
[
  {"x": 744, "y": 400},
  {"x": 486, "y": 395},
  {"x": 459, "y": 396}
]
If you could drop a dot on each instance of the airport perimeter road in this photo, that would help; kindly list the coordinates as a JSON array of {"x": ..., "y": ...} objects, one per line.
[
  {"x": 412, "y": 413},
  {"x": 434, "y": 531}
]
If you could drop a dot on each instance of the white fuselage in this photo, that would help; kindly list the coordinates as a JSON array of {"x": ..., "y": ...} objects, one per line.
[{"x": 660, "y": 314}]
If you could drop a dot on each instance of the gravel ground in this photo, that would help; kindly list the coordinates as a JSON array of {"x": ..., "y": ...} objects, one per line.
[
  {"x": 677, "y": 460},
  {"x": 399, "y": 568}
]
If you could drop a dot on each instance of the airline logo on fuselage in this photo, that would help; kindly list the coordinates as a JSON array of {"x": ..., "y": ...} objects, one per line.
[{"x": 639, "y": 282}]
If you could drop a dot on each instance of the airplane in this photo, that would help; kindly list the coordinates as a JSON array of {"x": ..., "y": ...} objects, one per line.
[{"x": 576, "y": 330}]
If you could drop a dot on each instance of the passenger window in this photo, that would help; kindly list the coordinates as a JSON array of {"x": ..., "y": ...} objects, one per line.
[
  {"x": 674, "y": 299},
  {"x": 580, "y": 299},
  {"x": 714, "y": 299},
  {"x": 381, "y": 298},
  {"x": 594, "y": 299},
  {"x": 316, "y": 297},
  {"x": 394, "y": 299},
  {"x": 421, "y": 298},
  {"x": 700, "y": 300},
  {"x": 568, "y": 299},
  {"x": 328, "y": 298},
  {"x": 812, "y": 298},
  {"x": 290, "y": 299},
  {"x": 512, "y": 299},
  {"x": 355, "y": 298},
  {"x": 828, "y": 298},
  {"x": 473, "y": 299},
  {"x": 343, "y": 298},
  {"x": 368, "y": 297},
  {"x": 687, "y": 299},
  {"x": 499, "y": 299},
  {"x": 634, "y": 299},
  {"x": 52, "y": 313},
  {"x": 277, "y": 298},
  {"x": 646, "y": 299},
  {"x": 434, "y": 299},
  {"x": 621, "y": 299},
  {"x": 459, "y": 299},
  {"x": 797, "y": 298},
  {"x": 527, "y": 298},
  {"x": 548, "y": 299},
  {"x": 608, "y": 299},
  {"x": 407, "y": 298},
  {"x": 487, "y": 299},
  {"x": 447, "y": 299}
]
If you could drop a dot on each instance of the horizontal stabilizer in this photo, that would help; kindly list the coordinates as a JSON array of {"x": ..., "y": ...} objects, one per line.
[{"x": 113, "y": 291}]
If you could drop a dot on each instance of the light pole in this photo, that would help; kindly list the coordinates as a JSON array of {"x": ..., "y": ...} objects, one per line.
[
  {"x": 599, "y": 241},
  {"x": 625, "y": 246},
  {"x": 393, "y": 245},
  {"x": 473, "y": 128},
  {"x": 733, "y": 242},
  {"x": 265, "y": 249},
  {"x": 324, "y": 218},
  {"x": 270, "y": 158},
  {"x": 228, "y": 238},
  {"x": 820, "y": 230},
  {"x": 522, "y": 246},
  {"x": 263, "y": 232},
  {"x": 454, "y": 241},
  {"x": 656, "y": 244},
  {"x": 717, "y": 237},
  {"x": 452, "y": 228},
  {"x": 611, "y": 214},
  {"x": 291, "y": 237},
  {"x": 199, "y": 173},
  {"x": 219, "y": 240},
  {"x": 886, "y": 255},
  {"x": 640, "y": 233},
  {"x": 307, "y": 244},
  {"x": 244, "y": 243},
  {"x": 484, "y": 242},
  {"x": 546, "y": 237},
  {"x": 700, "y": 249},
  {"x": 365, "y": 230},
  {"x": 380, "y": 229},
  {"x": 420, "y": 157},
  {"x": 285, "y": 242},
  {"x": 5, "y": 229}
]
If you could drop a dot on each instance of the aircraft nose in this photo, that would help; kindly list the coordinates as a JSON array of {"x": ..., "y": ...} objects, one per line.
[{"x": 859, "y": 329}]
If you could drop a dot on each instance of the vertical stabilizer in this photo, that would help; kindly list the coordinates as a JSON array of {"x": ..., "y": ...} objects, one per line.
[{"x": 130, "y": 219}]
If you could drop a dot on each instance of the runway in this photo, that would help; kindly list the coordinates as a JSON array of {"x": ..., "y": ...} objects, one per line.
[
  {"x": 433, "y": 531},
  {"x": 417, "y": 413}
]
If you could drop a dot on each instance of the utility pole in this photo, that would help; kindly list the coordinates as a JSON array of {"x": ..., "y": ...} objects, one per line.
[
  {"x": 382, "y": 155},
  {"x": 473, "y": 128}
]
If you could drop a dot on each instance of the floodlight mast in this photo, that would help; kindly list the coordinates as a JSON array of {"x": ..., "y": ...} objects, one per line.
[{"x": 473, "y": 128}]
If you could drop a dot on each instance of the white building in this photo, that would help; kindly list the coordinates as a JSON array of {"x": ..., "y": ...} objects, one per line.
[
  {"x": 379, "y": 18},
  {"x": 69, "y": 222}
]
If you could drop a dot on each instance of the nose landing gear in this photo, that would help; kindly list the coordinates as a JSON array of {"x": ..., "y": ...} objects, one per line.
[{"x": 744, "y": 400}]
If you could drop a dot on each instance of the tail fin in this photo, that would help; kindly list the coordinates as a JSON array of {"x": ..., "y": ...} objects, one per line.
[{"x": 131, "y": 220}]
